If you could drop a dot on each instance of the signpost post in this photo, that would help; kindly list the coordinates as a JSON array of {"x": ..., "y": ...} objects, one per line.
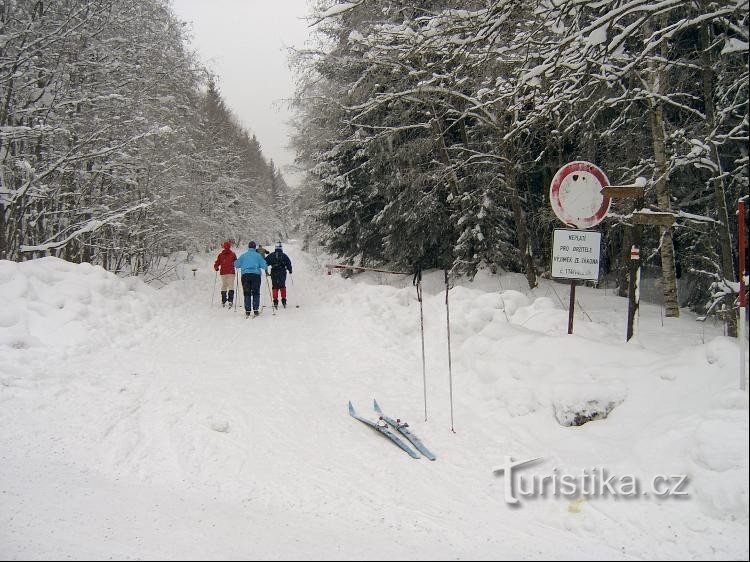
[{"x": 633, "y": 292}]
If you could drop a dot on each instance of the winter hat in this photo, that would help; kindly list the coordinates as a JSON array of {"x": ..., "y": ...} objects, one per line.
[
  {"x": 227, "y": 245},
  {"x": 278, "y": 245},
  {"x": 251, "y": 244}
]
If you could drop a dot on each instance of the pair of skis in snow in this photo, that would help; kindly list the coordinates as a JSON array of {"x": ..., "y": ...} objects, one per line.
[
  {"x": 253, "y": 315},
  {"x": 391, "y": 429}
]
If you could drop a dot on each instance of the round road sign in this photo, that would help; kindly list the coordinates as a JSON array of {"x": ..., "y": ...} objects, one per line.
[{"x": 575, "y": 194}]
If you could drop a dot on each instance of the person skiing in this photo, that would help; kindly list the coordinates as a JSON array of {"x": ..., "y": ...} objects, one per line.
[
  {"x": 251, "y": 263},
  {"x": 280, "y": 264},
  {"x": 224, "y": 264}
]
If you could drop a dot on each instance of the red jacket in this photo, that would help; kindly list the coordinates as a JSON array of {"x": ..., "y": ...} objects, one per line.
[{"x": 225, "y": 262}]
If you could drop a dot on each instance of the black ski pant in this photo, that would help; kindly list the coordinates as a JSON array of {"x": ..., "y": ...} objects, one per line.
[{"x": 251, "y": 290}]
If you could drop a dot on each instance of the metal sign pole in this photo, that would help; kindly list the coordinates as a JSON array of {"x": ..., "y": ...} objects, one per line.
[{"x": 572, "y": 305}]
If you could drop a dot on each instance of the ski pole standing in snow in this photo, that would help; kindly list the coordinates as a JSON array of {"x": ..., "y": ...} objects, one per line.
[
  {"x": 417, "y": 282},
  {"x": 213, "y": 289},
  {"x": 270, "y": 294},
  {"x": 450, "y": 369},
  {"x": 236, "y": 286},
  {"x": 292, "y": 278}
]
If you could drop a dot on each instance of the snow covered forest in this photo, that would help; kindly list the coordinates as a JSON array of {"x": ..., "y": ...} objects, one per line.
[
  {"x": 432, "y": 129},
  {"x": 116, "y": 147}
]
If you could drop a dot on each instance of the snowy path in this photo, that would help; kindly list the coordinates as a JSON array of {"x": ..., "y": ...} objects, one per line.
[{"x": 200, "y": 435}]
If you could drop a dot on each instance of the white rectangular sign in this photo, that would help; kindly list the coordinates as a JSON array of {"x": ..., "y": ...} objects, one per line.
[{"x": 575, "y": 254}]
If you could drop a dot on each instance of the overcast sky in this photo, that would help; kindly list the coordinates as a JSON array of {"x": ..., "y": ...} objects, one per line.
[{"x": 244, "y": 42}]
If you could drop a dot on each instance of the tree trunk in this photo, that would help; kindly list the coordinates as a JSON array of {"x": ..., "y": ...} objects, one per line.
[
  {"x": 527, "y": 257},
  {"x": 666, "y": 245},
  {"x": 658, "y": 137},
  {"x": 443, "y": 153},
  {"x": 720, "y": 200}
]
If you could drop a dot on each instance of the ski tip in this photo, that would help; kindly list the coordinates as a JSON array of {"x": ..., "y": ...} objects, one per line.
[
  {"x": 376, "y": 406},
  {"x": 351, "y": 408}
]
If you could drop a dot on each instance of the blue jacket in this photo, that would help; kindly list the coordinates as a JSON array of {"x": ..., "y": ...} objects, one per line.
[{"x": 251, "y": 262}]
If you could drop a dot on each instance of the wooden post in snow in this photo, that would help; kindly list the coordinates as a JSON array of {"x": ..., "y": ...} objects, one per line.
[{"x": 633, "y": 292}]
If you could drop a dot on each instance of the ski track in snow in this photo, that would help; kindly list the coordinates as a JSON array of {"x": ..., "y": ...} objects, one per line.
[{"x": 194, "y": 433}]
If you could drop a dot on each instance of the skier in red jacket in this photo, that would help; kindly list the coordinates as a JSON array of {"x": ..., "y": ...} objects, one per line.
[{"x": 224, "y": 264}]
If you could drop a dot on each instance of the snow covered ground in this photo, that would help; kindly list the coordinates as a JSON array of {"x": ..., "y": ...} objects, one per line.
[{"x": 138, "y": 423}]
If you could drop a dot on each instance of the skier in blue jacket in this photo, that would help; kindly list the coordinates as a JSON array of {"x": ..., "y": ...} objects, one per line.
[{"x": 251, "y": 263}]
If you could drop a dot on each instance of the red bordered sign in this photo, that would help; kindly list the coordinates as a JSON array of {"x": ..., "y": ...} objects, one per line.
[{"x": 575, "y": 194}]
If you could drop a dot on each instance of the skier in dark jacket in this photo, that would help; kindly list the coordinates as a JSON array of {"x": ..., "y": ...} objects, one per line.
[
  {"x": 224, "y": 264},
  {"x": 280, "y": 264}
]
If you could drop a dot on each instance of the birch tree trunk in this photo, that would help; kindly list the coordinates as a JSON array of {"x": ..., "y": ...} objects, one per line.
[{"x": 658, "y": 138}]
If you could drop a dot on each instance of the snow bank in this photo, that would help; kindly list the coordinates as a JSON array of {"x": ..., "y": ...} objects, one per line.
[
  {"x": 51, "y": 302},
  {"x": 719, "y": 471}
]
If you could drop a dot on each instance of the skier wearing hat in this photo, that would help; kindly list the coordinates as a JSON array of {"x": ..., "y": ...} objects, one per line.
[
  {"x": 251, "y": 263},
  {"x": 280, "y": 264},
  {"x": 224, "y": 264}
]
